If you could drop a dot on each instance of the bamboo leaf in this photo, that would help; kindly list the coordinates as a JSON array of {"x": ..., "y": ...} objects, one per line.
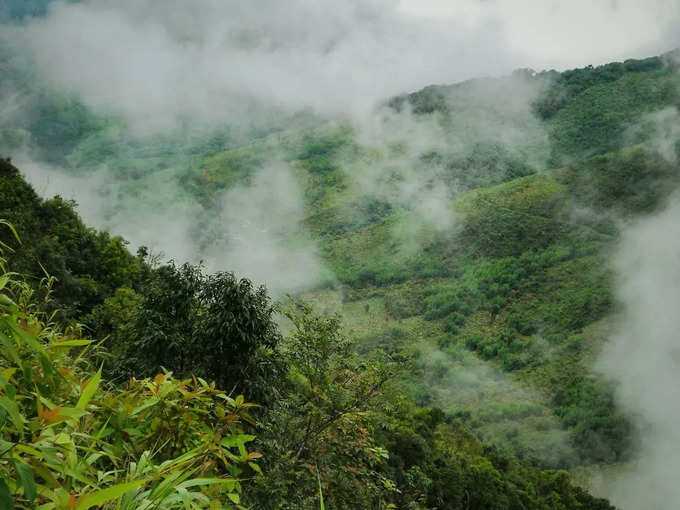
[
  {"x": 11, "y": 227},
  {"x": 13, "y": 410},
  {"x": 89, "y": 390},
  {"x": 26, "y": 337},
  {"x": 4, "y": 300},
  {"x": 45, "y": 473},
  {"x": 29, "y": 450},
  {"x": 198, "y": 482},
  {"x": 25, "y": 475},
  {"x": 255, "y": 467},
  {"x": 144, "y": 406},
  {"x": 9, "y": 349},
  {"x": 8, "y": 372},
  {"x": 70, "y": 343},
  {"x": 104, "y": 495},
  {"x": 318, "y": 477},
  {"x": 6, "y": 499}
]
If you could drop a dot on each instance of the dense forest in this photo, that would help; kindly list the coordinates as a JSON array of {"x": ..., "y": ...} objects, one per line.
[
  {"x": 433, "y": 347},
  {"x": 140, "y": 419}
]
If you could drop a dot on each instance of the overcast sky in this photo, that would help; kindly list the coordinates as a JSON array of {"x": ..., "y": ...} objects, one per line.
[{"x": 564, "y": 33}]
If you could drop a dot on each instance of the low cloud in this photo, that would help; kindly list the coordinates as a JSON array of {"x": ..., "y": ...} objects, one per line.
[
  {"x": 155, "y": 61},
  {"x": 257, "y": 232},
  {"x": 660, "y": 130},
  {"x": 644, "y": 358},
  {"x": 261, "y": 234}
]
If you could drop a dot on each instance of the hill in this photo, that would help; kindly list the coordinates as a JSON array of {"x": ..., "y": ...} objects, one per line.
[
  {"x": 463, "y": 231},
  {"x": 166, "y": 440}
]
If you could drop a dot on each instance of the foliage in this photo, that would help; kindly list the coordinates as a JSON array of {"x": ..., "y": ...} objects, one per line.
[
  {"x": 438, "y": 464},
  {"x": 320, "y": 426},
  {"x": 632, "y": 181},
  {"x": 20, "y": 9},
  {"x": 596, "y": 121},
  {"x": 69, "y": 441},
  {"x": 214, "y": 326},
  {"x": 89, "y": 265},
  {"x": 517, "y": 284},
  {"x": 565, "y": 86}
]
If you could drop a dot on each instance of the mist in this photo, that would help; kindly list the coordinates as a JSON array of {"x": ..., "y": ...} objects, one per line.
[
  {"x": 256, "y": 234},
  {"x": 155, "y": 60},
  {"x": 413, "y": 161},
  {"x": 643, "y": 357},
  {"x": 261, "y": 235},
  {"x": 168, "y": 68},
  {"x": 660, "y": 130},
  {"x": 506, "y": 413},
  {"x": 162, "y": 68}
]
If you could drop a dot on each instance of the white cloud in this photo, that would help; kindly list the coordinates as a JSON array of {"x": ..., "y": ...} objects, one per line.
[
  {"x": 261, "y": 235},
  {"x": 644, "y": 357},
  {"x": 152, "y": 59}
]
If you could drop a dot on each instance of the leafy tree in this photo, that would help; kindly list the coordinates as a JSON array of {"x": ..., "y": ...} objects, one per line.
[
  {"x": 215, "y": 326},
  {"x": 320, "y": 425},
  {"x": 88, "y": 265}
]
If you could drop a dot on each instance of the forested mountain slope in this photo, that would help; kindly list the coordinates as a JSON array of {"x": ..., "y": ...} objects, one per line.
[
  {"x": 464, "y": 232},
  {"x": 333, "y": 425}
]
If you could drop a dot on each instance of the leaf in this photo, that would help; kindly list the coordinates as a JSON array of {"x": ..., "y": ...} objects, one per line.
[
  {"x": 30, "y": 339},
  {"x": 104, "y": 495},
  {"x": 89, "y": 390},
  {"x": 4, "y": 280},
  {"x": 78, "y": 475},
  {"x": 318, "y": 477},
  {"x": 63, "y": 414},
  {"x": 198, "y": 482},
  {"x": 5, "y": 301},
  {"x": 8, "y": 373},
  {"x": 28, "y": 450},
  {"x": 70, "y": 343},
  {"x": 186, "y": 499},
  {"x": 9, "y": 349},
  {"x": 238, "y": 440},
  {"x": 6, "y": 499},
  {"x": 144, "y": 406},
  {"x": 44, "y": 473},
  {"x": 13, "y": 411},
  {"x": 49, "y": 415},
  {"x": 11, "y": 227},
  {"x": 25, "y": 474},
  {"x": 72, "y": 412},
  {"x": 255, "y": 468}
]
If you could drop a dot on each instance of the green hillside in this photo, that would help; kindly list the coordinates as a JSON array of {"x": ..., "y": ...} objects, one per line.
[
  {"x": 474, "y": 320},
  {"x": 80, "y": 442}
]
